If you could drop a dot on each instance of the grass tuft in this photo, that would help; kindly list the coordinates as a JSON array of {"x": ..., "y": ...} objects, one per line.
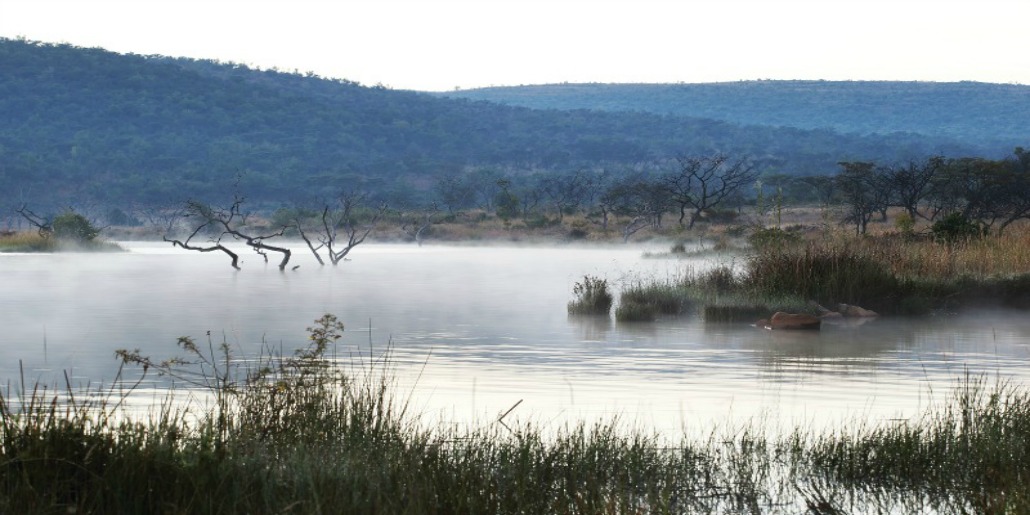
[{"x": 592, "y": 297}]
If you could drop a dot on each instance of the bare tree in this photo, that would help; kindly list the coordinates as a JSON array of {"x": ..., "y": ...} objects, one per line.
[
  {"x": 163, "y": 217},
  {"x": 43, "y": 224},
  {"x": 218, "y": 224},
  {"x": 340, "y": 227},
  {"x": 417, "y": 223},
  {"x": 455, "y": 193},
  {"x": 642, "y": 200},
  {"x": 703, "y": 183}
]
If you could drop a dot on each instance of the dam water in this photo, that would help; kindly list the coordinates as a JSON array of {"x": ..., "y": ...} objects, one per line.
[{"x": 472, "y": 331}]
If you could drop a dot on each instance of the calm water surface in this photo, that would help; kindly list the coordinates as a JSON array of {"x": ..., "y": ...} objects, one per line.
[{"x": 473, "y": 330}]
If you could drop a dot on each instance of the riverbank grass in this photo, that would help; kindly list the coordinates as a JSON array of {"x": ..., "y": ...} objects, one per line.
[
  {"x": 888, "y": 273},
  {"x": 30, "y": 241},
  {"x": 306, "y": 434}
]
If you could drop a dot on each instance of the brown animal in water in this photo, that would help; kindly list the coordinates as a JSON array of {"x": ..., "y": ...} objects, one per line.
[{"x": 789, "y": 321}]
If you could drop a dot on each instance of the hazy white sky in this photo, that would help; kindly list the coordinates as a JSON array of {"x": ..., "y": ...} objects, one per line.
[{"x": 443, "y": 44}]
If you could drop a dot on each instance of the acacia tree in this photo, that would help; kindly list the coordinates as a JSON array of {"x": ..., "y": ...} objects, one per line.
[
  {"x": 704, "y": 182},
  {"x": 911, "y": 184},
  {"x": 995, "y": 192},
  {"x": 567, "y": 192},
  {"x": 218, "y": 224},
  {"x": 863, "y": 190},
  {"x": 340, "y": 227}
]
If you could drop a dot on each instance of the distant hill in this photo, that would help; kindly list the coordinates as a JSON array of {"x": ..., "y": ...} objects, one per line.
[
  {"x": 990, "y": 116},
  {"x": 91, "y": 126}
]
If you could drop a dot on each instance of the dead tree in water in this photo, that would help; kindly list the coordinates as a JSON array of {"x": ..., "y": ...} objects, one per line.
[
  {"x": 221, "y": 223},
  {"x": 336, "y": 223}
]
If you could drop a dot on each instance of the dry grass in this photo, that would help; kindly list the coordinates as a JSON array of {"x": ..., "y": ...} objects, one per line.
[{"x": 26, "y": 241}]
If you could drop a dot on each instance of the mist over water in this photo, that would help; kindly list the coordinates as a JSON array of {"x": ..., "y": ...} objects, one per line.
[{"x": 474, "y": 330}]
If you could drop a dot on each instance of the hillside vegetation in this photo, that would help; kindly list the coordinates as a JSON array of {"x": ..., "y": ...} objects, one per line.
[
  {"x": 989, "y": 116},
  {"x": 91, "y": 126}
]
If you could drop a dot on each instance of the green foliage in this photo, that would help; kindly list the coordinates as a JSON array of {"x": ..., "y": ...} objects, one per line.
[
  {"x": 956, "y": 227},
  {"x": 71, "y": 226},
  {"x": 905, "y": 223},
  {"x": 592, "y": 297}
]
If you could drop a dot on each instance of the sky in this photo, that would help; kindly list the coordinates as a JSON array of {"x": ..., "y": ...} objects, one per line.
[{"x": 438, "y": 45}]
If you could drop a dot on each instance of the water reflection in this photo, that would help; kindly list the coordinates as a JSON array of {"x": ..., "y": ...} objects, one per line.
[{"x": 475, "y": 329}]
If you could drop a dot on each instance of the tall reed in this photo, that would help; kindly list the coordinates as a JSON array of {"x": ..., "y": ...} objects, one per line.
[{"x": 303, "y": 434}]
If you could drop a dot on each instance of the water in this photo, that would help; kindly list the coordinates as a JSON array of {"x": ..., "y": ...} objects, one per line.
[{"x": 475, "y": 330}]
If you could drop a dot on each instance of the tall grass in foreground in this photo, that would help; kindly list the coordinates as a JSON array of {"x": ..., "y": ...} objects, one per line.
[{"x": 301, "y": 434}]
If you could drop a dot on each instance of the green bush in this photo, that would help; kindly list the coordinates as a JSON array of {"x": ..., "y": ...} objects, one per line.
[
  {"x": 74, "y": 227},
  {"x": 957, "y": 227}
]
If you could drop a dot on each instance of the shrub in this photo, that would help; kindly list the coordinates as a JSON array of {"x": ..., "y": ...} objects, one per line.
[
  {"x": 74, "y": 227},
  {"x": 580, "y": 230},
  {"x": 957, "y": 227},
  {"x": 592, "y": 297},
  {"x": 905, "y": 223}
]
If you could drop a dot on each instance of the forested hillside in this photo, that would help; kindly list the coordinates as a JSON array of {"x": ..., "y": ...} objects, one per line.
[
  {"x": 87, "y": 125},
  {"x": 989, "y": 116}
]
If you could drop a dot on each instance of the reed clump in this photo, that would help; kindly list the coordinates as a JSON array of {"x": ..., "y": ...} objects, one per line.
[
  {"x": 592, "y": 297},
  {"x": 644, "y": 302}
]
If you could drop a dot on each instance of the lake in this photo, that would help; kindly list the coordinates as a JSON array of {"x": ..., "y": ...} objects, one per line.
[{"x": 473, "y": 330}]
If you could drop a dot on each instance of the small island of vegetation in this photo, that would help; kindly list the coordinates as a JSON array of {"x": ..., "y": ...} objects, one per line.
[{"x": 68, "y": 231}]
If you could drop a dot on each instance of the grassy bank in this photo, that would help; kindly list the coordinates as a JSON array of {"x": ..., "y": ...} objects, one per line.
[
  {"x": 888, "y": 273},
  {"x": 29, "y": 241},
  {"x": 301, "y": 434}
]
